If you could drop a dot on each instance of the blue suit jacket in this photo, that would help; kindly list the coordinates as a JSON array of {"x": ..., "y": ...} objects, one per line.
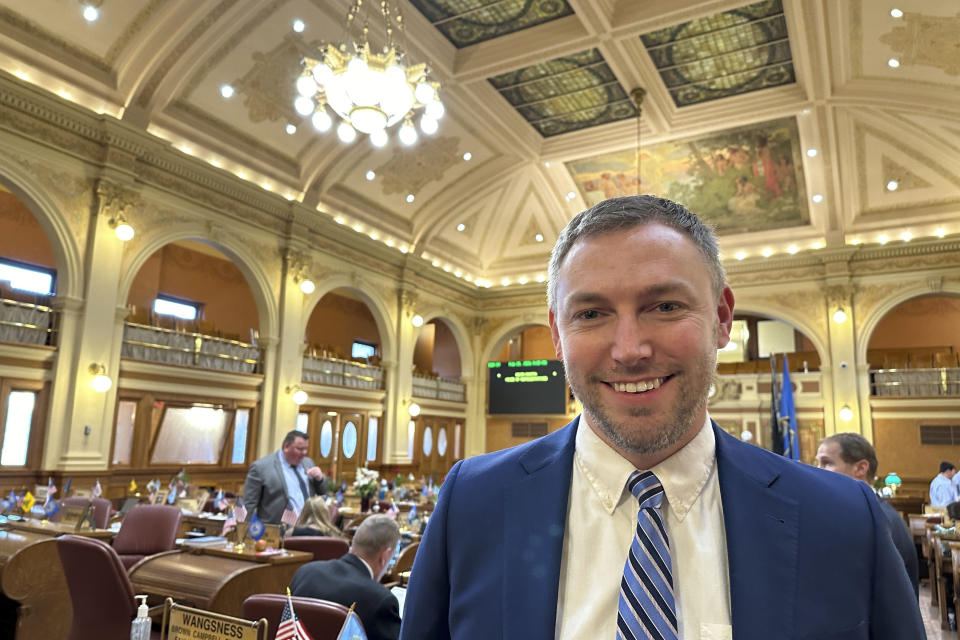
[{"x": 808, "y": 551}]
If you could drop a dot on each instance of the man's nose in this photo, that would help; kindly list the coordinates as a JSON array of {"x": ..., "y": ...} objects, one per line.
[{"x": 632, "y": 342}]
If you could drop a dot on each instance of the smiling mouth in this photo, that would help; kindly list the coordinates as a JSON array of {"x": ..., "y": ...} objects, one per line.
[{"x": 640, "y": 386}]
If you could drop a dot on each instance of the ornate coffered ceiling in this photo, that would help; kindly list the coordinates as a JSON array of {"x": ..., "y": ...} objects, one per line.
[{"x": 785, "y": 121}]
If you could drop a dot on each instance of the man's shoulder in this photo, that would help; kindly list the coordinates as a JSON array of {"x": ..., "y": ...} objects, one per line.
[{"x": 265, "y": 460}]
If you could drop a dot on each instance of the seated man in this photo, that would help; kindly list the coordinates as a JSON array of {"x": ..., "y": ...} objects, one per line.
[
  {"x": 355, "y": 577},
  {"x": 852, "y": 455}
]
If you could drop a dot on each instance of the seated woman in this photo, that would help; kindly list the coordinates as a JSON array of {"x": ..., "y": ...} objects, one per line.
[{"x": 315, "y": 520}]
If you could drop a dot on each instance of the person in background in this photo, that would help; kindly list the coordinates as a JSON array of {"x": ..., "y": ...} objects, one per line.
[
  {"x": 942, "y": 492},
  {"x": 281, "y": 480},
  {"x": 851, "y": 455},
  {"x": 355, "y": 578},
  {"x": 315, "y": 520}
]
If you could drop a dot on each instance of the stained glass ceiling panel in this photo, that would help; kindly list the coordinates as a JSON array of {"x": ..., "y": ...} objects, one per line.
[
  {"x": 722, "y": 55},
  {"x": 466, "y": 22},
  {"x": 566, "y": 94}
]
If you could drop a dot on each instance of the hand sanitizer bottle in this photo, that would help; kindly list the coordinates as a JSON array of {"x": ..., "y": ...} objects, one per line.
[{"x": 140, "y": 627}]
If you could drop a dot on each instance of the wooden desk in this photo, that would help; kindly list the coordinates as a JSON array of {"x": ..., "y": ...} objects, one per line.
[
  {"x": 30, "y": 573},
  {"x": 48, "y": 528},
  {"x": 943, "y": 572},
  {"x": 208, "y": 526},
  {"x": 214, "y": 579}
]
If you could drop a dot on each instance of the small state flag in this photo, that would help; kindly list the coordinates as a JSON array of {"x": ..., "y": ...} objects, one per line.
[
  {"x": 51, "y": 491},
  {"x": 97, "y": 490},
  {"x": 5, "y": 505},
  {"x": 50, "y": 507},
  {"x": 172, "y": 496},
  {"x": 256, "y": 528},
  {"x": 352, "y": 628},
  {"x": 339, "y": 497},
  {"x": 133, "y": 486},
  {"x": 28, "y": 502},
  {"x": 412, "y": 515},
  {"x": 393, "y": 511},
  {"x": 67, "y": 485},
  {"x": 290, "y": 627}
]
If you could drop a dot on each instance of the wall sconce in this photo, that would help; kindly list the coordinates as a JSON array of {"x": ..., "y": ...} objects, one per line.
[
  {"x": 101, "y": 382},
  {"x": 121, "y": 227},
  {"x": 417, "y": 320},
  {"x": 845, "y": 414},
  {"x": 307, "y": 286},
  {"x": 297, "y": 394},
  {"x": 839, "y": 316},
  {"x": 413, "y": 409}
]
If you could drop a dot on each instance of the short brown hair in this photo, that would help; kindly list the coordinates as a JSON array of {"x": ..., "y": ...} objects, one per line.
[
  {"x": 293, "y": 435},
  {"x": 854, "y": 448}
]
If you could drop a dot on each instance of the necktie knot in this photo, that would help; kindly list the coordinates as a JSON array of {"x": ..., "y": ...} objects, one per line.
[{"x": 646, "y": 488}]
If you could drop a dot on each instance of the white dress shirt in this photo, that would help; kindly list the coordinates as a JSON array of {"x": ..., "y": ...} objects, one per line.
[
  {"x": 602, "y": 519},
  {"x": 292, "y": 476}
]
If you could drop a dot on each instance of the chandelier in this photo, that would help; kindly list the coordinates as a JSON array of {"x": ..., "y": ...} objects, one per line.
[{"x": 370, "y": 90}]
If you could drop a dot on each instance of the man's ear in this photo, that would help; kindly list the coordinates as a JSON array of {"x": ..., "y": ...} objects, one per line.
[
  {"x": 555, "y": 334},
  {"x": 860, "y": 468},
  {"x": 724, "y": 317}
]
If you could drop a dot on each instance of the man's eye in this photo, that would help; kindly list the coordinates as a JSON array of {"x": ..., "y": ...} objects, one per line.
[
  {"x": 667, "y": 306},
  {"x": 589, "y": 314}
]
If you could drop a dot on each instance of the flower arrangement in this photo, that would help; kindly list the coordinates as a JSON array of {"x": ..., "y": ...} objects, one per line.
[{"x": 367, "y": 482}]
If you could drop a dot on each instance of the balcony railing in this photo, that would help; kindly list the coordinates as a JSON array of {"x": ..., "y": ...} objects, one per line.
[
  {"x": 26, "y": 323},
  {"x": 181, "y": 348},
  {"x": 342, "y": 373},
  {"x": 915, "y": 382},
  {"x": 438, "y": 388}
]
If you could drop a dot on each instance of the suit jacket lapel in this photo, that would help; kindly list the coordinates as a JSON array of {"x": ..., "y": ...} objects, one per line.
[
  {"x": 535, "y": 514},
  {"x": 762, "y": 528}
]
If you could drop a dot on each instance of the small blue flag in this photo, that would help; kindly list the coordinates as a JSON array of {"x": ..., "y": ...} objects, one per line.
[
  {"x": 787, "y": 415},
  {"x": 172, "y": 496},
  {"x": 66, "y": 485},
  {"x": 412, "y": 515},
  {"x": 352, "y": 628},
  {"x": 256, "y": 528},
  {"x": 339, "y": 497},
  {"x": 51, "y": 507}
]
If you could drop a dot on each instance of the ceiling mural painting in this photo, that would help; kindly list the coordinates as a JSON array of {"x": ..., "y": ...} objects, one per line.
[
  {"x": 928, "y": 41},
  {"x": 466, "y": 22},
  {"x": 722, "y": 55},
  {"x": 740, "y": 180},
  {"x": 566, "y": 94}
]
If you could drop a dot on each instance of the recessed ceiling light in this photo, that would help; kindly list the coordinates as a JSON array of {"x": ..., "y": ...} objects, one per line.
[
  {"x": 468, "y": 278},
  {"x": 371, "y": 175},
  {"x": 291, "y": 128},
  {"x": 23, "y": 75},
  {"x": 339, "y": 220},
  {"x": 374, "y": 235},
  {"x": 811, "y": 153},
  {"x": 882, "y": 238},
  {"x": 896, "y": 13},
  {"x": 940, "y": 232},
  {"x": 226, "y": 91},
  {"x": 215, "y": 163},
  {"x": 522, "y": 280},
  {"x": 388, "y": 242},
  {"x": 65, "y": 95},
  {"x": 906, "y": 236},
  {"x": 767, "y": 252},
  {"x": 467, "y": 156},
  {"x": 241, "y": 175},
  {"x": 461, "y": 227},
  {"x": 447, "y": 268},
  {"x": 299, "y": 26},
  {"x": 570, "y": 196},
  {"x": 893, "y": 63},
  {"x": 540, "y": 277},
  {"x": 266, "y": 186},
  {"x": 410, "y": 197},
  {"x": 90, "y": 13},
  {"x": 505, "y": 282},
  {"x": 893, "y": 185},
  {"x": 538, "y": 237},
  {"x": 458, "y": 273},
  {"x": 435, "y": 263},
  {"x": 805, "y": 111},
  {"x": 792, "y": 249},
  {"x": 404, "y": 249},
  {"x": 816, "y": 245},
  {"x": 740, "y": 255},
  {"x": 817, "y": 198},
  {"x": 855, "y": 241},
  {"x": 357, "y": 228}
]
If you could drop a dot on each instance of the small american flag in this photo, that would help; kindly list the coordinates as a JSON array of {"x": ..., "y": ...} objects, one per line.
[{"x": 290, "y": 627}]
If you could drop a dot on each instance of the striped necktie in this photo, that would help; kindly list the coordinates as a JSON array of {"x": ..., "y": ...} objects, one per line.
[{"x": 647, "y": 609}]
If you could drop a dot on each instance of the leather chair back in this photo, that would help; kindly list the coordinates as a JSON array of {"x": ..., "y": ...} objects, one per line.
[
  {"x": 100, "y": 591},
  {"x": 322, "y": 547},
  {"x": 101, "y": 510},
  {"x": 321, "y": 618},
  {"x": 146, "y": 529}
]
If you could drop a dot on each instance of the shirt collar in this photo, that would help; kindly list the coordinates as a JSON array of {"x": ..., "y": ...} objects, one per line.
[{"x": 683, "y": 475}]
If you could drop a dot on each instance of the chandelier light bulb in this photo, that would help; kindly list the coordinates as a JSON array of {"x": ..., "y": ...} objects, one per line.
[
  {"x": 346, "y": 133},
  {"x": 428, "y": 125},
  {"x": 407, "y": 134},
  {"x": 306, "y": 86},
  {"x": 124, "y": 231},
  {"x": 424, "y": 93},
  {"x": 379, "y": 138},
  {"x": 303, "y": 105},
  {"x": 322, "y": 121},
  {"x": 435, "y": 109},
  {"x": 322, "y": 73}
]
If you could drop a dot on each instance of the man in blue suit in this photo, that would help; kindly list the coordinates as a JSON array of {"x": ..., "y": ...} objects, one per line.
[{"x": 723, "y": 540}]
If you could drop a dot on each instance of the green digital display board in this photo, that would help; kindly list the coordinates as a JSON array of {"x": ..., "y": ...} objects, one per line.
[{"x": 527, "y": 387}]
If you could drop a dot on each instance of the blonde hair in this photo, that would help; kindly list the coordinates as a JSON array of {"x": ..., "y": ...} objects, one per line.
[{"x": 316, "y": 514}]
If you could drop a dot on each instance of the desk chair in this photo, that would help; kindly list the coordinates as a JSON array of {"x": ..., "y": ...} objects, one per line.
[
  {"x": 321, "y": 618},
  {"x": 101, "y": 510},
  {"x": 147, "y": 529},
  {"x": 403, "y": 564},
  {"x": 322, "y": 547},
  {"x": 100, "y": 589}
]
